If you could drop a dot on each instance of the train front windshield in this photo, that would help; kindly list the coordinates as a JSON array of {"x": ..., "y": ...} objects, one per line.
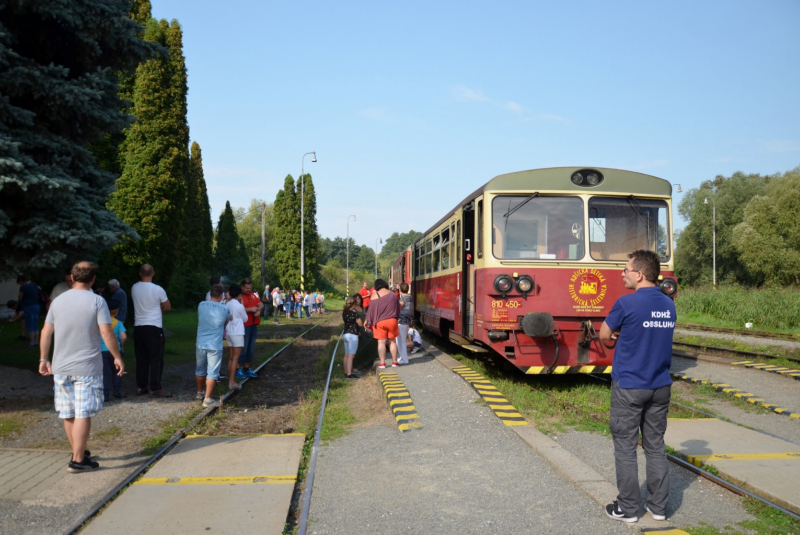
[{"x": 552, "y": 228}]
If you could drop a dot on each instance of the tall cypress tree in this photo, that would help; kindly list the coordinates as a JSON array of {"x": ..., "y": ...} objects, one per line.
[
  {"x": 197, "y": 214},
  {"x": 151, "y": 191},
  {"x": 58, "y": 96},
  {"x": 230, "y": 257},
  {"x": 310, "y": 234},
  {"x": 287, "y": 234}
]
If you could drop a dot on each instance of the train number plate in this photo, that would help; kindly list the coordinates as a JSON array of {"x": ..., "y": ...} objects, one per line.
[{"x": 506, "y": 304}]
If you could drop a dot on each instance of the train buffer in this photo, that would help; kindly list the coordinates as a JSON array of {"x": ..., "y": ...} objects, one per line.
[
  {"x": 765, "y": 465},
  {"x": 210, "y": 484}
]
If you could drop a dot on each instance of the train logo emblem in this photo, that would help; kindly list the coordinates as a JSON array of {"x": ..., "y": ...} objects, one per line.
[{"x": 587, "y": 288}]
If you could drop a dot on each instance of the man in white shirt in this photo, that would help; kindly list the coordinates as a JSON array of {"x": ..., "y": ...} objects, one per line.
[
  {"x": 63, "y": 286},
  {"x": 149, "y": 302},
  {"x": 277, "y": 302}
]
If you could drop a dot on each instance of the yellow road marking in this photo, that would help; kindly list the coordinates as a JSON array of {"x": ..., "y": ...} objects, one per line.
[{"x": 236, "y": 480}]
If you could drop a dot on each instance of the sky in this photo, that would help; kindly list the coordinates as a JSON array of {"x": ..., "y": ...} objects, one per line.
[{"x": 410, "y": 107}]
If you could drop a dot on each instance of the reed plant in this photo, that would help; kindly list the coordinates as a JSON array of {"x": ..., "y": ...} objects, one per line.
[{"x": 733, "y": 306}]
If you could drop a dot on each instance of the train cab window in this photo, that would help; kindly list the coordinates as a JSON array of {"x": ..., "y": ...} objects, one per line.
[
  {"x": 446, "y": 248},
  {"x": 458, "y": 242},
  {"x": 619, "y": 226},
  {"x": 437, "y": 249},
  {"x": 533, "y": 227}
]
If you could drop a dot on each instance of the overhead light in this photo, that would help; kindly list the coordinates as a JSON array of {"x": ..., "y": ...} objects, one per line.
[{"x": 313, "y": 156}]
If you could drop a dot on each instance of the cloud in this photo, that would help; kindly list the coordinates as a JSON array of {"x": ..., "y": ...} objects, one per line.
[
  {"x": 782, "y": 145},
  {"x": 466, "y": 94},
  {"x": 377, "y": 113},
  {"x": 649, "y": 164}
]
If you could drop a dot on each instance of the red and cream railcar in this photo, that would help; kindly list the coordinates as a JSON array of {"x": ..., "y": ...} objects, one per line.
[
  {"x": 530, "y": 264},
  {"x": 401, "y": 269}
]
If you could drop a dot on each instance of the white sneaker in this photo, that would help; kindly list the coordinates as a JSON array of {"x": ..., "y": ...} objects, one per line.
[
  {"x": 210, "y": 402},
  {"x": 200, "y": 396},
  {"x": 655, "y": 516}
]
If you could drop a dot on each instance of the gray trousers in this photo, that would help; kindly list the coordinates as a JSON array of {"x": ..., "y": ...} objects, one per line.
[{"x": 633, "y": 410}]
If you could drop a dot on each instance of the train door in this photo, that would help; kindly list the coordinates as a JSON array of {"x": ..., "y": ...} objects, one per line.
[{"x": 468, "y": 268}]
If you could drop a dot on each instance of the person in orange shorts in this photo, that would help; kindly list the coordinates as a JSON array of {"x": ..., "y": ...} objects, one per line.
[{"x": 382, "y": 316}]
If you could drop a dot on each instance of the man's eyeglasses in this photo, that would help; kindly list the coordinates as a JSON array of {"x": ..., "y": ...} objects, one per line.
[{"x": 626, "y": 271}]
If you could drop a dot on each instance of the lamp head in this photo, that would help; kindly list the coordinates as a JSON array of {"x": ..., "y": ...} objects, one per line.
[
  {"x": 680, "y": 190},
  {"x": 705, "y": 201},
  {"x": 313, "y": 156}
]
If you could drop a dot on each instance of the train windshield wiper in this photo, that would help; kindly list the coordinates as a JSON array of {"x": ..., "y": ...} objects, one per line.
[{"x": 520, "y": 205}]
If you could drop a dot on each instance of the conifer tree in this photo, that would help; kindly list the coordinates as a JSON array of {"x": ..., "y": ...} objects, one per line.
[
  {"x": 151, "y": 191},
  {"x": 287, "y": 235},
  {"x": 230, "y": 257},
  {"x": 311, "y": 236},
  {"x": 197, "y": 228},
  {"x": 58, "y": 96}
]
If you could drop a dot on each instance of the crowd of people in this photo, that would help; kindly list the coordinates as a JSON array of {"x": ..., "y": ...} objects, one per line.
[{"x": 388, "y": 315}]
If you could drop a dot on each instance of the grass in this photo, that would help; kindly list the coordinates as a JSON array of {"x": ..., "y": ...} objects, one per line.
[
  {"x": 771, "y": 309},
  {"x": 112, "y": 431},
  {"x": 10, "y": 424},
  {"x": 709, "y": 391},
  {"x": 767, "y": 520},
  {"x": 152, "y": 445}
]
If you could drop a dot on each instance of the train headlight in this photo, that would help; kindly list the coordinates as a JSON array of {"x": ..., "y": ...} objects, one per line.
[
  {"x": 587, "y": 178},
  {"x": 503, "y": 284},
  {"x": 524, "y": 285},
  {"x": 669, "y": 286}
]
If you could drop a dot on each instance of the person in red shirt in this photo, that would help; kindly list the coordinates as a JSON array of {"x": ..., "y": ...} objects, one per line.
[
  {"x": 253, "y": 306},
  {"x": 364, "y": 293}
]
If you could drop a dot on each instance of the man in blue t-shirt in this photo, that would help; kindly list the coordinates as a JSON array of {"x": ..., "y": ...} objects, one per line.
[
  {"x": 212, "y": 316},
  {"x": 642, "y": 323}
]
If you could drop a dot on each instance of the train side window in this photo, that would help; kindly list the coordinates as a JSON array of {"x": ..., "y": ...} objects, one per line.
[
  {"x": 458, "y": 242},
  {"x": 428, "y": 263},
  {"x": 416, "y": 261},
  {"x": 480, "y": 229},
  {"x": 437, "y": 245},
  {"x": 446, "y": 248},
  {"x": 452, "y": 244}
]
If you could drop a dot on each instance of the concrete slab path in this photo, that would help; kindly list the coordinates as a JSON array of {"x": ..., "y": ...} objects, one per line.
[
  {"x": 463, "y": 472},
  {"x": 219, "y": 484},
  {"x": 765, "y": 465}
]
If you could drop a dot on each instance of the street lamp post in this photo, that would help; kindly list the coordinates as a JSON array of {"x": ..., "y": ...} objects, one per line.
[
  {"x": 302, "y": 219},
  {"x": 378, "y": 240},
  {"x": 347, "y": 246},
  {"x": 714, "y": 234}
]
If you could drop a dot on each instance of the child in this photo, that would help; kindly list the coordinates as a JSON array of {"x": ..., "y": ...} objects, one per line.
[
  {"x": 414, "y": 339},
  {"x": 109, "y": 371}
]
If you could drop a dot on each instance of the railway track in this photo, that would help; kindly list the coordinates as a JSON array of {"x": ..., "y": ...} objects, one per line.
[
  {"x": 745, "y": 354},
  {"x": 739, "y": 332},
  {"x": 199, "y": 419}
]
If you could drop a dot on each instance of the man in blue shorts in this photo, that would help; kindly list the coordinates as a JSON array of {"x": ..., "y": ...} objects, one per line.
[
  {"x": 642, "y": 323},
  {"x": 79, "y": 319},
  {"x": 212, "y": 316}
]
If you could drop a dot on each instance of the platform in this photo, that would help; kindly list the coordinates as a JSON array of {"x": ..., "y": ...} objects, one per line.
[
  {"x": 765, "y": 465},
  {"x": 215, "y": 484}
]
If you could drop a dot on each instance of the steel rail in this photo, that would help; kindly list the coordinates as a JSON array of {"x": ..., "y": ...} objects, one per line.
[
  {"x": 738, "y": 332},
  {"x": 177, "y": 436},
  {"x": 734, "y": 351},
  {"x": 312, "y": 465},
  {"x": 736, "y": 489}
]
